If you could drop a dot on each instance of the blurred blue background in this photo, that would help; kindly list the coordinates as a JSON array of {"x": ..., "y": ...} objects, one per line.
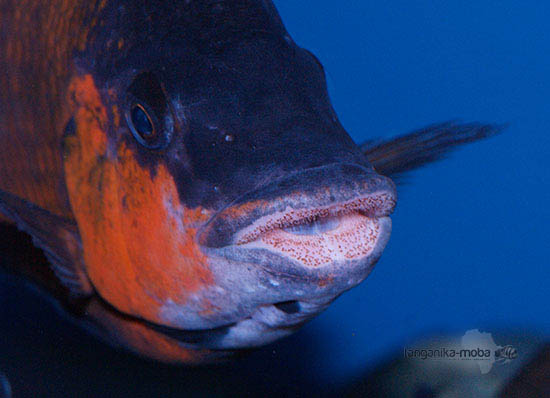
[{"x": 470, "y": 243}]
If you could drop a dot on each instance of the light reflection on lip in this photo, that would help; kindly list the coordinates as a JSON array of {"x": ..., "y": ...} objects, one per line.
[{"x": 315, "y": 227}]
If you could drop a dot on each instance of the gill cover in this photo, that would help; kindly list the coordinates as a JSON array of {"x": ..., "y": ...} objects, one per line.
[{"x": 138, "y": 238}]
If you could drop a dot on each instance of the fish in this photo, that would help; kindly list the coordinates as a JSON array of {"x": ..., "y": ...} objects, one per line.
[{"x": 182, "y": 168}]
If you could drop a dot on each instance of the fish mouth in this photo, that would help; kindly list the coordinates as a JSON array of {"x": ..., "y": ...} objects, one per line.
[
  {"x": 319, "y": 236},
  {"x": 282, "y": 253},
  {"x": 307, "y": 221}
]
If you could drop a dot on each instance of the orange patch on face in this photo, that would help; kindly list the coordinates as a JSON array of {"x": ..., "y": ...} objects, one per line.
[
  {"x": 138, "y": 239},
  {"x": 116, "y": 116}
]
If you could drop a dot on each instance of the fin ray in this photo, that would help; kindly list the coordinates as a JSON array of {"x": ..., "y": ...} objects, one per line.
[{"x": 408, "y": 152}]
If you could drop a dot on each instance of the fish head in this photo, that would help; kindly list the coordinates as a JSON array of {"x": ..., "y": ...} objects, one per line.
[{"x": 220, "y": 201}]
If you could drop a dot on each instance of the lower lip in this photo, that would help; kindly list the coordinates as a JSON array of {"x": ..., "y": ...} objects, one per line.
[{"x": 348, "y": 237}]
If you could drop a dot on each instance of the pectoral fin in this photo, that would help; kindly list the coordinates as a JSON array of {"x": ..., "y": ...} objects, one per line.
[
  {"x": 402, "y": 154},
  {"x": 57, "y": 236}
]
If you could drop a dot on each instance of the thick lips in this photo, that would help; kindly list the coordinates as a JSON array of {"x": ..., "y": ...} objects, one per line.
[
  {"x": 319, "y": 236},
  {"x": 315, "y": 217}
]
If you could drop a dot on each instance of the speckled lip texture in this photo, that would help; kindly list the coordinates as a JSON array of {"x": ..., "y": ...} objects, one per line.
[{"x": 352, "y": 234}]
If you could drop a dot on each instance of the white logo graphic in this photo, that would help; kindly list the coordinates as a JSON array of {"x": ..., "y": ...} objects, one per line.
[{"x": 484, "y": 351}]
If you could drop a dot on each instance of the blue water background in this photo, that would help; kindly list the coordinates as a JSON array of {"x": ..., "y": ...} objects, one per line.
[
  {"x": 470, "y": 244},
  {"x": 471, "y": 240}
]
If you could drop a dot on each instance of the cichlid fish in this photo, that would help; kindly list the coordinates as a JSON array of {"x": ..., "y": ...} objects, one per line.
[{"x": 180, "y": 164}]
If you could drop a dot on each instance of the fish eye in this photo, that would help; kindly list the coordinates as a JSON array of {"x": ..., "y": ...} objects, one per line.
[
  {"x": 141, "y": 123},
  {"x": 146, "y": 108}
]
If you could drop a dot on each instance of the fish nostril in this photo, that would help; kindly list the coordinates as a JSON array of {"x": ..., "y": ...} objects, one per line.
[{"x": 289, "y": 307}]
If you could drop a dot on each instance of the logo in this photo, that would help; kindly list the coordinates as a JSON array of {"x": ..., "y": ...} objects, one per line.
[
  {"x": 475, "y": 346},
  {"x": 506, "y": 354}
]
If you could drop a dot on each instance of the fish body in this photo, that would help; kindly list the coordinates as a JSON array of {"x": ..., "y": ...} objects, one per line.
[{"x": 184, "y": 171}]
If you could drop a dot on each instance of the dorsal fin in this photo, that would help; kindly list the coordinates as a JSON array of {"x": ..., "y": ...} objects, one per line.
[
  {"x": 408, "y": 152},
  {"x": 57, "y": 236}
]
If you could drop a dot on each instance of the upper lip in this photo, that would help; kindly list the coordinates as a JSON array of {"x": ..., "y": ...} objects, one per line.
[
  {"x": 305, "y": 196},
  {"x": 377, "y": 204}
]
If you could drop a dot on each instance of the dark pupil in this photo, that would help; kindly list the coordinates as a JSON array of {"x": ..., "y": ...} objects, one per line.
[{"x": 142, "y": 123}]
